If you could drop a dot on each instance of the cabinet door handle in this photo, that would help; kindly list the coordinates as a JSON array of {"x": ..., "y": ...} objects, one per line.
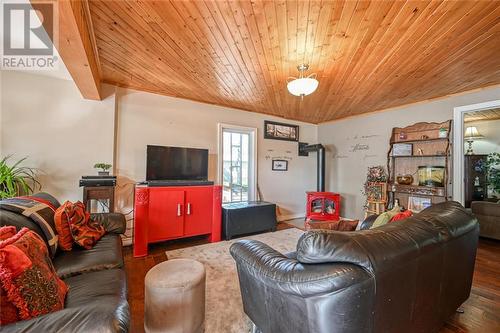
[
  {"x": 179, "y": 210},
  {"x": 188, "y": 209}
]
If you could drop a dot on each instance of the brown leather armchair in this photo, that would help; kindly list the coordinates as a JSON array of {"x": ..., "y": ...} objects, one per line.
[{"x": 488, "y": 215}]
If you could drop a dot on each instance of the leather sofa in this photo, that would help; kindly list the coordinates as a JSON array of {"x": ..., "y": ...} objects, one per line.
[
  {"x": 97, "y": 296},
  {"x": 408, "y": 276},
  {"x": 488, "y": 215}
]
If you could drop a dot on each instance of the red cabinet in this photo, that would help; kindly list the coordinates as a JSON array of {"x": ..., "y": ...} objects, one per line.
[
  {"x": 198, "y": 208},
  {"x": 165, "y": 218},
  {"x": 163, "y": 213}
]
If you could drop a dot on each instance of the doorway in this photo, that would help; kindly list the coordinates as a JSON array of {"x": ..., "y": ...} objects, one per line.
[
  {"x": 237, "y": 163},
  {"x": 477, "y": 143}
]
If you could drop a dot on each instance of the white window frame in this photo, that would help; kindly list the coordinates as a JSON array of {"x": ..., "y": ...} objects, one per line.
[
  {"x": 252, "y": 167},
  {"x": 458, "y": 147}
]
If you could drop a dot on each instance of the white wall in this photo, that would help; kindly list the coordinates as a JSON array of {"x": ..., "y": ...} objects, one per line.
[
  {"x": 145, "y": 118},
  {"x": 490, "y": 129},
  {"x": 354, "y": 144},
  {"x": 62, "y": 134}
]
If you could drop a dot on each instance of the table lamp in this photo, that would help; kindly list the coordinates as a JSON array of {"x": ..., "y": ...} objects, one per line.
[{"x": 471, "y": 134}]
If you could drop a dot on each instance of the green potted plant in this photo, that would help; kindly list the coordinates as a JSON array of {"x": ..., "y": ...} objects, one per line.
[
  {"x": 493, "y": 169},
  {"x": 104, "y": 168},
  {"x": 16, "y": 180}
]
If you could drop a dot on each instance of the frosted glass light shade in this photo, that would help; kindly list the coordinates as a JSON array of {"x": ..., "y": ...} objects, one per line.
[{"x": 303, "y": 86}]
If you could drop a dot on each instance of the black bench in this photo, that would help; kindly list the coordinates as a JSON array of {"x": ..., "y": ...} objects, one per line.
[{"x": 247, "y": 217}]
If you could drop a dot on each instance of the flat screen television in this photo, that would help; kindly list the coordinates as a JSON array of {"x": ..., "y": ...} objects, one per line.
[{"x": 176, "y": 163}]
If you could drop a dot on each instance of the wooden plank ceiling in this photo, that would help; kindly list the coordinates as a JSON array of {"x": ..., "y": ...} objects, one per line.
[
  {"x": 485, "y": 115},
  {"x": 369, "y": 55}
]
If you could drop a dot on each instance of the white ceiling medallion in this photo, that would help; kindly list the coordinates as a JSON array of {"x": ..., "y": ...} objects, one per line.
[{"x": 303, "y": 85}]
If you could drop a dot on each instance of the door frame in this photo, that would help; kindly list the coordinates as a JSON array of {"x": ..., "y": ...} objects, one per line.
[
  {"x": 458, "y": 146},
  {"x": 252, "y": 181}
]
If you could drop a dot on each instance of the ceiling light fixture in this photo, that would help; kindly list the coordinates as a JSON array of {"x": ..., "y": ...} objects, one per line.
[{"x": 303, "y": 85}]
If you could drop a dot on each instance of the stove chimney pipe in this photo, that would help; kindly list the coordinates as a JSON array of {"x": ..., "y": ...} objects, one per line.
[
  {"x": 304, "y": 150},
  {"x": 320, "y": 156}
]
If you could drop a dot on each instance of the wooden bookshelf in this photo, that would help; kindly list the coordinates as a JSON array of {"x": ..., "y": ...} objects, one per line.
[{"x": 431, "y": 146}]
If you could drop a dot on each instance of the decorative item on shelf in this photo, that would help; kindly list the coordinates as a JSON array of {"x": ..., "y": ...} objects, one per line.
[
  {"x": 104, "y": 168},
  {"x": 403, "y": 136},
  {"x": 16, "y": 180},
  {"x": 476, "y": 181},
  {"x": 471, "y": 134},
  {"x": 420, "y": 152},
  {"x": 493, "y": 175},
  {"x": 417, "y": 204},
  {"x": 280, "y": 165},
  {"x": 480, "y": 166},
  {"x": 303, "y": 85},
  {"x": 424, "y": 137},
  {"x": 440, "y": 191},
  {"x": 280, "y": 131},
  {"x": 431, "y": 175},
  {"x": 405, "y": 179},
  {"x": 402, "y": 149},
  {"x": 443, "y": 133}
]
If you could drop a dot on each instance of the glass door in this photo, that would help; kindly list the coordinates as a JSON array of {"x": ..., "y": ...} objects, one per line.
[{"x": 238, "y": 165}]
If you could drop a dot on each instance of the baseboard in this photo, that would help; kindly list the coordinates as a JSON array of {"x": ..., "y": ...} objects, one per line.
[{"x": 284, "y": 218}]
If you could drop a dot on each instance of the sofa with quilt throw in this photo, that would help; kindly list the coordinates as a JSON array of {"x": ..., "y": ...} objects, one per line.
[
  {"x": 407, "y": 276},
  {"x": 96, "y": 298}
]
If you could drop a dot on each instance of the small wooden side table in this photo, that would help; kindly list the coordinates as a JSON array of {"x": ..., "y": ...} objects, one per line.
[{"x": 99, "y": 193}]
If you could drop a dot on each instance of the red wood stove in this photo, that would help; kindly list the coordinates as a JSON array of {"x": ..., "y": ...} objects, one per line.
[{"x": 323, "y": 206}]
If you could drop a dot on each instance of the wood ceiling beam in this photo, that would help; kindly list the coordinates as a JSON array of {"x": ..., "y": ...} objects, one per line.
[{"x": 76, "y": 46}]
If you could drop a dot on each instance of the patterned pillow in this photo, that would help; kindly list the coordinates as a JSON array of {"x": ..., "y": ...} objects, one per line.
[
  {"x": 62, "y": 227},
  {"x": 7, "y": 232},
  {"x": 29, "y": 284},
  {"x": 84, "y": 231}
]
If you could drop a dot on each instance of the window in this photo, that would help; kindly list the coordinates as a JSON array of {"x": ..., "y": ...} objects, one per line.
[{"x": 237, "y": 163}]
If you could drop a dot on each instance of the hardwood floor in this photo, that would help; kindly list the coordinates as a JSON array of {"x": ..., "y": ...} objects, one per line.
[{"x": 482, "y": 309}]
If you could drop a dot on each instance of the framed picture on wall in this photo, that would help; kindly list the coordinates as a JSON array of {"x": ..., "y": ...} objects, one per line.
[
  {"x": 280, "y": 131},
  {"x": 280, "y": 165}
]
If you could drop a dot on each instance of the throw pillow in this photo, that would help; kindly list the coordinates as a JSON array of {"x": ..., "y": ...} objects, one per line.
[
  {"x": 62, "y": 227},
  {"x": 401, "y": 216},
  {"x": 29, "y": 284},
  {"x": 84, "y": 231},
  {"x": 7, "y": 232},
  {"x": 385, "y": 217},
  {"x": 40, "y": 212}
]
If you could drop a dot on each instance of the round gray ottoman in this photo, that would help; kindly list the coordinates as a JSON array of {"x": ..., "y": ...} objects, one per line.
[{"x": 175, "y": 297}]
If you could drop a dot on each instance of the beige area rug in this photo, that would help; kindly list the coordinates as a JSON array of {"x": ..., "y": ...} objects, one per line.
[{"x": 223, "y": 307}]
